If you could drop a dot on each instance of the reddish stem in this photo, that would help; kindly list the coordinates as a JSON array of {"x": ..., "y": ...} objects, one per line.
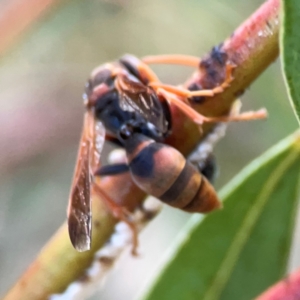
[
  {"x": 286, "y": 289},
  {"x": 17, "y": 16}
]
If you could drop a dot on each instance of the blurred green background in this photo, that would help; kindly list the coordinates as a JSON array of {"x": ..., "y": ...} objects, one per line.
[{"x": 41, "y": 83}]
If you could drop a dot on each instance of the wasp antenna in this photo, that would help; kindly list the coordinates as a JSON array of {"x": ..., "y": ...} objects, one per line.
[{"x": 173, "y": 59}]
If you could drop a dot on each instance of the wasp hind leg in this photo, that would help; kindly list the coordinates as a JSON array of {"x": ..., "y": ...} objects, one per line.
[
  {"x": 111, "y": 170},
  {"x": 202, "y": 157},
  {"x": 200, "y": 119},
  {"x": 117, "y": 210},
  {"x": 115, "y": 141}
]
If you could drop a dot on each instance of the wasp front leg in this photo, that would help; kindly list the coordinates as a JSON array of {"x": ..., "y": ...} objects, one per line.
[
  {"x": 187, "y": 94},
  {"x": 181, "y": 97},
  {"x": 191, "y": 61}
]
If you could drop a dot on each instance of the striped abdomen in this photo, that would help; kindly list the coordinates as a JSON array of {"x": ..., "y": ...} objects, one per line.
[{"x": 163, "y": 172}]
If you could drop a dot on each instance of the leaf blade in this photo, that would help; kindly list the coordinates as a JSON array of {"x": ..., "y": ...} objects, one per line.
[
  {"x": 219, "y": 266},
  {"x": 290, "y": 51}
]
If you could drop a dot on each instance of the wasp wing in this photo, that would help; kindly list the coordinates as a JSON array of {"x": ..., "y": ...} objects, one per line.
[
  {"x": 137, "y": 97},
  {"x": 79, "y": 208}
]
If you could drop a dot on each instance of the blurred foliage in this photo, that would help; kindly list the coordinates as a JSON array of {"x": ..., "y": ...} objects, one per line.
[{"x": 41, "y": 82}]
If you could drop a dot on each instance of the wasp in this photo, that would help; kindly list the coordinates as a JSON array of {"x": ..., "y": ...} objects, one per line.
[{"x": 127, "y": 104}]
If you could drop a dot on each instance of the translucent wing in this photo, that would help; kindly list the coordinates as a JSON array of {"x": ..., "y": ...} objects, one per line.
[
  {"x": 137, "y": 97},
  {"x": 79, "y": 208}
]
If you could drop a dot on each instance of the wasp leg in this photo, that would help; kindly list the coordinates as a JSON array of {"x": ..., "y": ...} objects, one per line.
[
  {"x": 207, "y": 167},
  {"x": 200, "y": 119},
  {"x": 113, "y": 140},
  {"x": 118, "y": 211},
  {"x": 176, "y": 90},
  {"x": 173, "y": 59},
  {"x": 121, "y": 213},
  {"x": 185, "y": 93},
  {"x": 202, "y": 157},
  {"x": 111, "y": 170},
  {"x": 218, "y": 89},
  {"x": 184, "y": 107}
]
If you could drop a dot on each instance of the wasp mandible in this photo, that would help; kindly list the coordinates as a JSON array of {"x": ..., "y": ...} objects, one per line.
[{"x": 128, "y": 105}]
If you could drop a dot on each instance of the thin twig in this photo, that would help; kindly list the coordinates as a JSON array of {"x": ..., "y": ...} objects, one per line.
[{"x": 105, "y": 258}]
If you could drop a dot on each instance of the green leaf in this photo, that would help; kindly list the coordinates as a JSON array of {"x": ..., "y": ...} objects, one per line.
[
  {"x": 237, "y": 252},
  {"x": 290, "y": 51}
]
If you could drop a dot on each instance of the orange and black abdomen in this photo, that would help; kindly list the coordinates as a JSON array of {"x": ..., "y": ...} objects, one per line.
[{"x": 164, "y": 173}]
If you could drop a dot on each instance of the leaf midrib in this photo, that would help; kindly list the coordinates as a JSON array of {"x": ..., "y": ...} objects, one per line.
[{"x": 229, "y": 261}]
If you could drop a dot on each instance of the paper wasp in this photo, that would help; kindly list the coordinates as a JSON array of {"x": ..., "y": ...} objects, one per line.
[{"x": 127, "y": 100}]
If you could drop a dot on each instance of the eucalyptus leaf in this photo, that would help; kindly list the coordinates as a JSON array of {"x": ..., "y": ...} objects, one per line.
[
  {"x": 290, "y": 51},
  {"x": 239, "y": 251}
]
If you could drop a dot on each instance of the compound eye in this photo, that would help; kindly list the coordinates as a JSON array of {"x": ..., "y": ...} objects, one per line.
[
  {"x": 103, "y": 75},
  {"x": 131, "y": 63}
]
